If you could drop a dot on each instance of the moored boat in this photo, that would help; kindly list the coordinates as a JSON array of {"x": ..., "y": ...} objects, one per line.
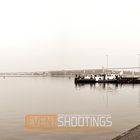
[{"x": 107, "y": 78}]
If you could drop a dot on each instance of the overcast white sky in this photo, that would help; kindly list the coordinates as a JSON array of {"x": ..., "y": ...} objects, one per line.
[{"x": 68, "y": 34}]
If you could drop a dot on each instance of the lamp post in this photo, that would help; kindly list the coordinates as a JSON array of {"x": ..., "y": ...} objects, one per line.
[
  {"x": 106, "y": 62},
  {"x": 139, "y": 62}
]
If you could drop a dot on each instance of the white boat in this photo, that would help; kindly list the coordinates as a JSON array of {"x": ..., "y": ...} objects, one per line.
[
  {"x": 110, "y": 77},
  {"x": 99, "y": 78}
]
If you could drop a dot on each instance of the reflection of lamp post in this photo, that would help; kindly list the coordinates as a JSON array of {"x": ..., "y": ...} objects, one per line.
[{"x": 139, "y": 97}]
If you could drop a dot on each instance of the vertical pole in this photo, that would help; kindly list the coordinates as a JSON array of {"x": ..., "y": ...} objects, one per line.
[
  {"x": 103, "y": 70},
  {"x": 106, "y": 62},
  {"x": 139, "y": 63}
]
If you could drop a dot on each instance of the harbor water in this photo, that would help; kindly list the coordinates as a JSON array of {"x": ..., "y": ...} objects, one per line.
[{"x": 20, "y": 96}]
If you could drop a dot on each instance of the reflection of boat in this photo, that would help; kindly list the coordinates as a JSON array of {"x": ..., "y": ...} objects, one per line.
[{"x": 105, "y": 78}]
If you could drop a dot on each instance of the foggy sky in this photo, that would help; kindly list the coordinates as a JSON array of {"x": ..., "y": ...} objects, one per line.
[{"x": 68, "y": 34}]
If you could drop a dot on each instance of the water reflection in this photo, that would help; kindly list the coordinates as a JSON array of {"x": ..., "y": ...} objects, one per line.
[
  {"x": 108, "y": 88},
  {"x": 23, "y": 95},
  {"x": 104, "y": 86},
  {"x": 139, "y": 96}
]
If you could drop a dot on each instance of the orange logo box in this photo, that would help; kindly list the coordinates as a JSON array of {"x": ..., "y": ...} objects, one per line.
[{"x": 41, "y": 121}]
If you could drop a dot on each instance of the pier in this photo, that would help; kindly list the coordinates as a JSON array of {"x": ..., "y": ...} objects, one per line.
[{"x": 132, "y": 134}]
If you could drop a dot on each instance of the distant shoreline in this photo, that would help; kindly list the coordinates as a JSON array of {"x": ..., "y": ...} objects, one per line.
[{"x": 70, "y": 73}]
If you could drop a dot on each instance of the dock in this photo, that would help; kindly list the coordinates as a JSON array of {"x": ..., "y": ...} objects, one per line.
[{"x": 132, "y": 134}]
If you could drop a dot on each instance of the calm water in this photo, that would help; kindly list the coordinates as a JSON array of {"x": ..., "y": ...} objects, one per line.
[{"x": 21, "y": 96}]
